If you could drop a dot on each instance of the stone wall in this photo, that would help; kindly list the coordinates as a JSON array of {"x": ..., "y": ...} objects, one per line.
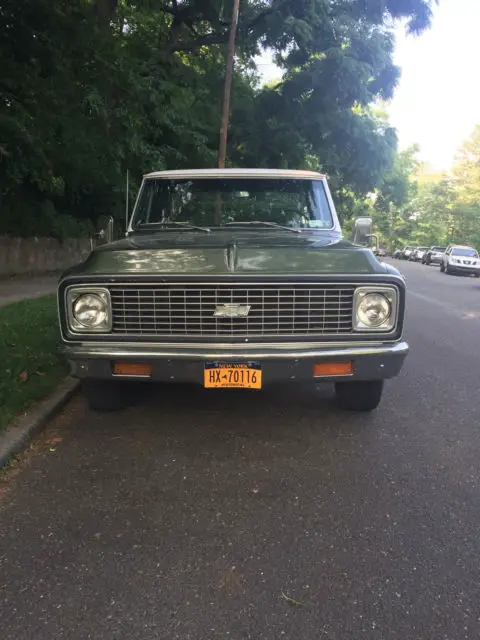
[{"x": 40, "y": 255}]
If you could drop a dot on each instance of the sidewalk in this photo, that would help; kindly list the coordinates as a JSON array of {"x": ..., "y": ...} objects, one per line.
[{"x": 26, "y": 287}]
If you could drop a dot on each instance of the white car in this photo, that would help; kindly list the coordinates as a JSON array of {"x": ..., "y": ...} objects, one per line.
[
  {"x": 407, "y": 252},
  {"x": 418, "y": 254},
  {"x": 461, "y": 259}
]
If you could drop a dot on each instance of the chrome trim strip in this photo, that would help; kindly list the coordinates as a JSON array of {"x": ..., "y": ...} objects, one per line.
[
  {"x": 131, "y": 376},
  {"x": 289, "y": 346},
  {"x": 106, "y": 282},
  {"x": 105, "y": 351}
]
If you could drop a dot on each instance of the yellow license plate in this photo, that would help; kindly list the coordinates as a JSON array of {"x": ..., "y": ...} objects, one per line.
[{"x": 222, "y": 375}]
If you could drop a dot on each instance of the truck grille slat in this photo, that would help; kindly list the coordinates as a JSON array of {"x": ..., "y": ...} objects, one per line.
[{"x": 188, "y": 309}]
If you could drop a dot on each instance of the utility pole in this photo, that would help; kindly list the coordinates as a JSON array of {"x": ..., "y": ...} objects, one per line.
[{"x": 222, "y": 151}]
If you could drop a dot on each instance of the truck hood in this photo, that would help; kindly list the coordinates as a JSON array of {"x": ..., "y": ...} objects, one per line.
[{"x": 230, "y": 252}]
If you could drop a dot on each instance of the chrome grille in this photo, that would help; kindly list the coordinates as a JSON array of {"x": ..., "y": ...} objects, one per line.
[{"x": 188, "y": 310}]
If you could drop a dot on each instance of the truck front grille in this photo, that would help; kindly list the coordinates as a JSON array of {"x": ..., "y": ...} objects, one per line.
[{"x": 189, "y": 310}]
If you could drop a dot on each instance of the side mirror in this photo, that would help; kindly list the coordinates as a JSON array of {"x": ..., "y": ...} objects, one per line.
[
  {"x": 362, "y": 231},
  {"x": 104, "y": 232}
]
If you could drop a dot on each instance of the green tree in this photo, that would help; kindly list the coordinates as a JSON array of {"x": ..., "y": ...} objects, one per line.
[
  {"x": 91, "y": 88},
  {"x": 465, "y": 219},
  {"x": 433, "y": 207},
  {"x": 394, "y": 208},
  {"x": 466, "y": 170}
]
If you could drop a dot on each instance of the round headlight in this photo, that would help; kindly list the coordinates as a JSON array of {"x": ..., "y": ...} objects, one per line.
[
  {"x": 90, "y": 310},
  {"x": 374, "y": 310}
]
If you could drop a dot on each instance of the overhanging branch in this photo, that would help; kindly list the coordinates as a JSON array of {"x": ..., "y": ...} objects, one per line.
[
  {"x": 211, "y": 39},
  {"x": 202, "y": 41}
]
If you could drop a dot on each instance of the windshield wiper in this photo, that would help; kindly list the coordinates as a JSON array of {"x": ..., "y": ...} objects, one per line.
[
  {"x": 274, "y": 225},
  {"x": 165, "y": 225}
]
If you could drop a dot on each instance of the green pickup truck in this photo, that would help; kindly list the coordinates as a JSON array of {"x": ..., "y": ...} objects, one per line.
[{"x": 233, "y": 278}]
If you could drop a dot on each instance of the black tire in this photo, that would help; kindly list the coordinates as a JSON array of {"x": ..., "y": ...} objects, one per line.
[
  {"x": 105, "y": 395},
  {"x": 359, "y": 396},
  {"x": 448, "y": 270},
  {"x": 442, "y": 267},
  {"x": 477, "y": 275}
]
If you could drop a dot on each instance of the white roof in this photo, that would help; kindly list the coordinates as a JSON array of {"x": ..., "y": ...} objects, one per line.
[{"x": 236, "y": 173}]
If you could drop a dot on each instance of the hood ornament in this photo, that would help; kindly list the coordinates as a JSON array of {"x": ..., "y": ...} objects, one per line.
[{"x": 231, "y": 256}]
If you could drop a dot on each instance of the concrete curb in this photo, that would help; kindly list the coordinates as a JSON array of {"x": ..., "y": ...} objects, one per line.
[{"x": 15, "y": 438}]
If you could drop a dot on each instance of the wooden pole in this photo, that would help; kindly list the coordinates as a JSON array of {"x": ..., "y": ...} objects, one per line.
[{"x": 222, "y": 151}]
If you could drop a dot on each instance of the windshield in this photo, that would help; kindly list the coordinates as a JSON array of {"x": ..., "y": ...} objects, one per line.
[
  {"x": 439, "y": 249},
  {"x": 471, "y": 253},
  {"x": 215, "y": 202}
]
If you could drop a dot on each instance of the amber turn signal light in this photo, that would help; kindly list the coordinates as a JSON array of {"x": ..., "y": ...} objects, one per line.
[
  {"x": 132, "y": 369},
  {"x": 332, "y": 369}
]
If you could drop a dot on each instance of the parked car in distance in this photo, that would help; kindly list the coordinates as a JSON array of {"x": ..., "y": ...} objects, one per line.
[
  {"x": 461, "y": 259},
  {"x": 434, "y": 255},
  {"x": 418, "y": 253},
  {"x": 380, "y": 252},
  {"x": 233, "y": 278},
  {"x": 407, "y": 252},
  {"x": 397, "y": 254}
]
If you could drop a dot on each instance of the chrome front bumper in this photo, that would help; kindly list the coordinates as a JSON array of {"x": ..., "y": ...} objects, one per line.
[{"x": 280, "y": 362}]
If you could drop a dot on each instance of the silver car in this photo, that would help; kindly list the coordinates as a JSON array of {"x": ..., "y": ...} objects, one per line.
[{"x": 434, "y": 255}]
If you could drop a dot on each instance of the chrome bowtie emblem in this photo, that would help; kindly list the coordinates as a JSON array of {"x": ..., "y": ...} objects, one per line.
[{"x": 231, "y": 310}]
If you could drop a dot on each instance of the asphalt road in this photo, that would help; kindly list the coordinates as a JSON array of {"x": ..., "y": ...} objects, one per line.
[{"x": 209, "y": 515}]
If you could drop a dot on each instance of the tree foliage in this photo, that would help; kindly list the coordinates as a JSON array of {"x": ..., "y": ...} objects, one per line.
[
  {"x": 393, "y": 204},
  {"x": 92, "y": 88},
  {"x": 415, "y": 208}
]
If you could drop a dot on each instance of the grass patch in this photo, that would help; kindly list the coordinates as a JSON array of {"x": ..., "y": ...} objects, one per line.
[{"x": 30, "y": 363}]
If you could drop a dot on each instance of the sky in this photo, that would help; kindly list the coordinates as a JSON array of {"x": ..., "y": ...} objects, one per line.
[{"x": 437, "y": 102}]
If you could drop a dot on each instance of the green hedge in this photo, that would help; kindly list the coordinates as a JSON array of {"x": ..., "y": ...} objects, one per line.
[{"x": 30, "y": 363}]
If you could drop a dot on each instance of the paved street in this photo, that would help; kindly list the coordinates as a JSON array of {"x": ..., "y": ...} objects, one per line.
[{"x": 205, "y": 515}]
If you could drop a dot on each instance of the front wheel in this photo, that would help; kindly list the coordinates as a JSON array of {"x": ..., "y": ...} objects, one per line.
[
  {"x": 104, "y": 395},
  {"x": 359, "y": 396},
  {"x": 442, "y": 267}
]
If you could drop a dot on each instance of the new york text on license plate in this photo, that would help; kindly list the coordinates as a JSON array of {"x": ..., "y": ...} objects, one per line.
[{"x": 223, "y": 375}]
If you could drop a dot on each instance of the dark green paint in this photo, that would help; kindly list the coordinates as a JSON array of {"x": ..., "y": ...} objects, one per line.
[{"x": 255, "y": 253}]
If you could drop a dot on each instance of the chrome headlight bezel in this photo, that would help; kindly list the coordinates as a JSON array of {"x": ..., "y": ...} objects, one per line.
[
  {"x": 392, "y": 297},
  {"x": 73, "y": 294}
]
